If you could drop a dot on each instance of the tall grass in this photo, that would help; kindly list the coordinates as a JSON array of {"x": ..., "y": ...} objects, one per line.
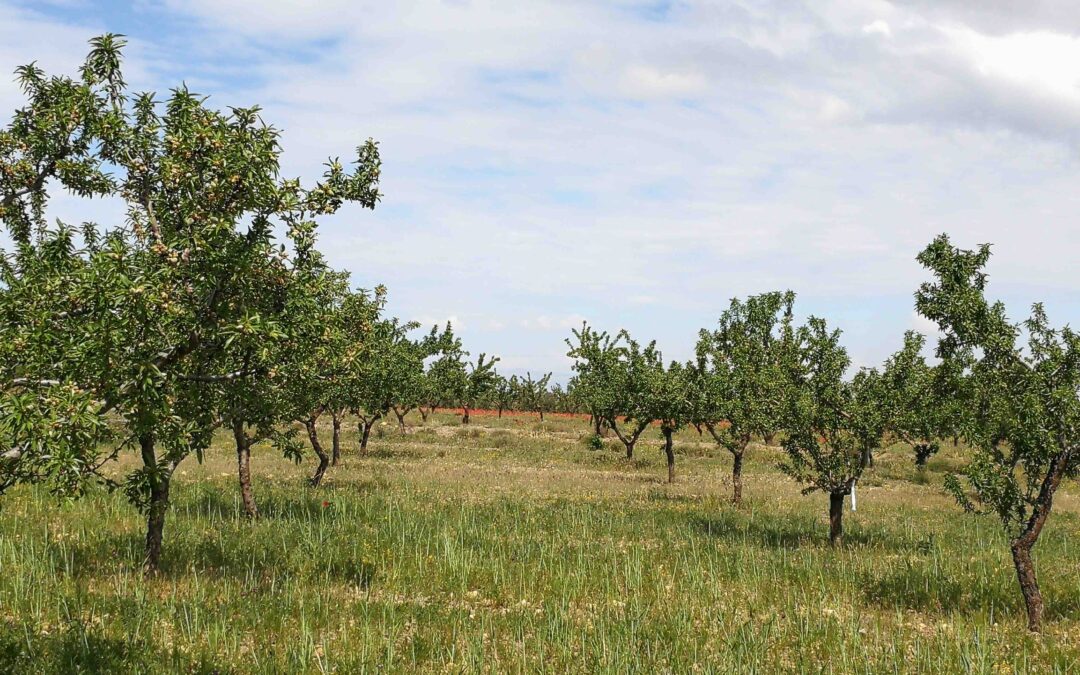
[{"x": 517, "y": 548}]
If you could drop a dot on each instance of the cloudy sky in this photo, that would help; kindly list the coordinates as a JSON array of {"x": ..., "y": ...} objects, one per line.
[{"x": 637, "y": 164}]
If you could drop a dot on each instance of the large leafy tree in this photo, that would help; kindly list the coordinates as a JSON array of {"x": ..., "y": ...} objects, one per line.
[
  {"x": 150, "y": 304},
  {"x": 1021, "y": 409},
  {"x": 738, "y": 384}
]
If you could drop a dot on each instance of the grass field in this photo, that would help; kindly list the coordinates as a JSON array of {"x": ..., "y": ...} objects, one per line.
[{"x": 510, "y": 546}]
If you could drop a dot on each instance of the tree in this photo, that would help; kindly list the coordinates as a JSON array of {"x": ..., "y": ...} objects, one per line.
[
  {"x": 506, "y": 394},
  {"x": 596, "y": 356},
  {"x": 667, "y": 402},
  {"x": 1021, "y": 410},
  {"x": 919, "y": 414},
  {"x": 738, "y": 379},
  {"x": 615, "y": 377},
  {"x": 822, "y": 451},
  {"x": 151, "y": 303},
  {"x": 463, "y": 382},
  {"x": 532, "y": 394}
]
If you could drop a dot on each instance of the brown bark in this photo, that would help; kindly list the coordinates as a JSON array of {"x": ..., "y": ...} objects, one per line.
[
  {"x": 158, "y": 506},
  {"x": 836, "y": 518},
  {"x": 243, "y": 466},
  {"x": 400, "y": 414},
  {"x": 736, "y": 478},
  {"x": 316, "y": 445},
  {"x": 500, "y": 412},
  {"x": 335, "y": 449},
  {"x": 769, "y": 437},
  {"x": 868, "y": 457},
  {"x": 365, "y": 433},
  {"x": 669, "y": 450},
  {"x": 465, "y": 416},
  {"x": 1022, "y": 545},
  {"x": 541, "y": 415}
]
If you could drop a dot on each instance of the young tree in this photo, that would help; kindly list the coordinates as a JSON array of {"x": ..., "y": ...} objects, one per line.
[
  {"x": 506, "y": 394},
  {"x": 532, "y": 394},
  {"x": 146, "y": 301},
  {"x": 1021, "y": 410},
  {"x": 616, "y": 377},
  {"x": 667, "y": 402},
  {"x": 596, "y": 355},
  {"x": 738, "y": 379},
  {"x": 822, "y": 451}
]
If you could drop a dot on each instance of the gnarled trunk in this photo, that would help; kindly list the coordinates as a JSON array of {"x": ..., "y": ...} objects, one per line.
[
  {"x": 365, "y": 433},
  {"x": 243, "y": 467},
  {"x": 669, "y": 450},
  {"x": 836, "y": 518},
  {"x": 316, "y": 445},
  {"x": 336, "y": 443},
  {"x": 157, "y": 508},
  {"x": 1022, "y": 545},
  {"x": 769, "y": 437}
]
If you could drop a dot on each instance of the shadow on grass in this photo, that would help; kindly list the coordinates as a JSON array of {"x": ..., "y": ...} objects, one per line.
[
  {"x": 75, "y": 648},
  {"x": 791, "y": 531}
]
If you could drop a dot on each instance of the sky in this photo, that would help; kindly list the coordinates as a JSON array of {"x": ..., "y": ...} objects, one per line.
[{"x": 637, "y": 164}]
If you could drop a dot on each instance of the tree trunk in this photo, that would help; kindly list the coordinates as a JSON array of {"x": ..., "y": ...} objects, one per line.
[
  {"x": 769, "y": 437},
  {"x": 400, "y": 419},
  {"x": 324, "y": 459},
  {"x": 669, "y": 450},
  {"x": 159, "y": 505},
  {"x": 868, "y": 457},
  {"x": 736, "y": 478},
  {"x": 836, "y": 518},
  {"x": 596, "y": 426},
  {"x": 541, "y": 415},
  {"x": 243, "y": 466},
  {"x": 336, "y": 447},
  {"x": 365, "y": 434},
  {"x": 465, "y": 416},
  {"x": 500, "y": 412},
  {"x": 423, "y": 414},
  {"x": 1023, "y": 544}
]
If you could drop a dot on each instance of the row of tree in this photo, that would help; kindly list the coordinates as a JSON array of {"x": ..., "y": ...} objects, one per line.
[
  {"x": 208, "y": 309},
  {"x": 1015, "y": 403}
]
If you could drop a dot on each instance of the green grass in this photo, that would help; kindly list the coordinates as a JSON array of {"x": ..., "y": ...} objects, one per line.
[{"x": 514, "y": 547}]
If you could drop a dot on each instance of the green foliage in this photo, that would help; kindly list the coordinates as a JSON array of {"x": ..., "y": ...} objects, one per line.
[{"x": 738, "y": 379}]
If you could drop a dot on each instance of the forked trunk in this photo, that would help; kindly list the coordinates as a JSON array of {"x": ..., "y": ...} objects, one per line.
[
  {"x": 365, "y": 433},
  {"x": 316, "y": 445},
  {"x": 400, "y": 414},
  {"x": 336, "y": 447},
  {"x": 158, "y": 506},
  {"x": 424, "y": 414},
  {"x": 669, "y": 450},
  {"x": 836, "y": 518},
  {"x": 243, "y": 466},
  {"x": 736, "y": 477},
  {"x": 769, "y": 437},
  {"x": 630, "y": 448}
]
